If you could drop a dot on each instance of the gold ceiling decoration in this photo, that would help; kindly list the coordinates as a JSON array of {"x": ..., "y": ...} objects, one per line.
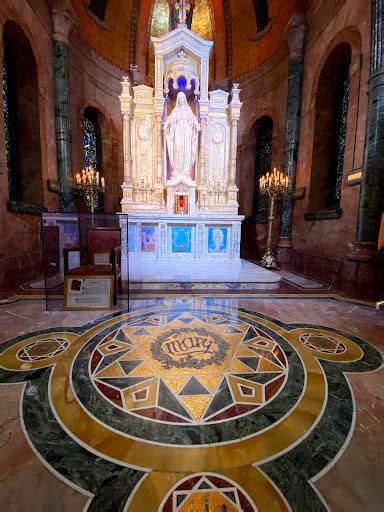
[
  {"x": 160, "y": 19},
  {"x": 202, "y": 25},
  {"x": 202, "y": 19}
]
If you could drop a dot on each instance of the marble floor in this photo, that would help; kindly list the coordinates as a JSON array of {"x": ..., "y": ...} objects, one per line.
[{"x": 192, "y": 403}]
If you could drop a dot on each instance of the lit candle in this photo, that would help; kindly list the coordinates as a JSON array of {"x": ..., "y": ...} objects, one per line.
[
  {"x": 103, "y": 182},
  {"x": 97, "y": 178}
]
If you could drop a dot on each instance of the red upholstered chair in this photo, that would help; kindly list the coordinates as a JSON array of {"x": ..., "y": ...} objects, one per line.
[{"x": 101, "y": 257}]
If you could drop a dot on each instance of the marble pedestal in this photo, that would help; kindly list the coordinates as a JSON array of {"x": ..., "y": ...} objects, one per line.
[
  {"x": 188, "y": 252},
  {"x": 243, "y": 275},
  {"x": 180, "y": 239}
]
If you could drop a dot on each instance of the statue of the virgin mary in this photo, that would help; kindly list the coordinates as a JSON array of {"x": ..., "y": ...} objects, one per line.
[{"x": 181, "y": 134}]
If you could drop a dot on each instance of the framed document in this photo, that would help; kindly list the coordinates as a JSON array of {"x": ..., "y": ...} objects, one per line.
[
  {"x": 87, "y": 293},
  {"x": 101, "y": 258}
]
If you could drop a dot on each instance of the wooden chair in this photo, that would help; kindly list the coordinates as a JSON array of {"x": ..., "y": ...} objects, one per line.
[
  {"x": 380, "y": 243},
  {"x": 100, "y": 257}
]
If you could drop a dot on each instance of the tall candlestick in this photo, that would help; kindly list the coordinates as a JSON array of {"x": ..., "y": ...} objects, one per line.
[{"x": 274, "y": 184}]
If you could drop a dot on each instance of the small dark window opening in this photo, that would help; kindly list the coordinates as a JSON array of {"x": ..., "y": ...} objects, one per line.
[
  {"x": 331, "y": 118},
  {"x": 339, "y": 137},
  {"x": 262, "y": 14},
  {"x": 263, "y": 163},
  {"x": 98, "y": 8}
]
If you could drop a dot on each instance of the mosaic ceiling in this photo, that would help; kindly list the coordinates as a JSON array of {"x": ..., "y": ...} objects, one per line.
[{"x": 123, "y": 36}]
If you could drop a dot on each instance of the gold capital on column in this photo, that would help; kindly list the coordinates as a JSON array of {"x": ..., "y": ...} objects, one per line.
[
  {"x": 294, "y": 34},
  {"x": 64, "y": 19}
]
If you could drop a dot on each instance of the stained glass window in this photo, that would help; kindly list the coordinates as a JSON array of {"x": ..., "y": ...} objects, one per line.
[
  {"x": 90, "y": 143},
  {"x": 6, "y": 120},
  {"x": 263, "y": 164},
  {"x": 90, "y": 153}
]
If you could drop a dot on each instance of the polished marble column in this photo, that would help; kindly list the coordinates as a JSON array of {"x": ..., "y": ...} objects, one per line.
[
  {"x": 294, "y": 37},
  {"x": 372, "y": 186},
  {"x": 63, "y": 23}
]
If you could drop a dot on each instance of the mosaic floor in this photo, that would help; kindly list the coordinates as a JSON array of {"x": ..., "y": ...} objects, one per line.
[{"x": 187, "y": 404}]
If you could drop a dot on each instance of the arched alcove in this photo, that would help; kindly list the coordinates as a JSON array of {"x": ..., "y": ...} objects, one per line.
[
  {"x": 263, "y": 131},
  {"x": 331, "y": 115},
  {"x": 21, "y": 117}
]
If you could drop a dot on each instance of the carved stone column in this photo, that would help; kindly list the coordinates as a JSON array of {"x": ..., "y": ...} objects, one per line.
[
  {"x": 126, "y": 109},
  {"x": 234, "y": 112},
  {"x": 233, "y": 153},
  {"x": 63, "y": 21},
  {"x": 372, "y": 186},
  {"x": 203, "y": 138},
  {"x": 294, "y": 36},
  {"x": 159, "y": 171},
  {"x": 159, "y": 161}
]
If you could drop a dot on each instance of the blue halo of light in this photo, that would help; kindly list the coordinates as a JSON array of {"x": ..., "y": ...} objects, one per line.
[{"x": 182, "y": 82}]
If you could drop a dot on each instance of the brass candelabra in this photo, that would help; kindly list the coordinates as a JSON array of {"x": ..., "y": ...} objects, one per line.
[
  {"x": 91, "y": 184},
  {"x": 273, "y": 183}
]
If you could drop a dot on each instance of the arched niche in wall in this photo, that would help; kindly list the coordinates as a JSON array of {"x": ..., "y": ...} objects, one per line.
[
  {"x": 21, "y": 117},
  {"x": 263, "y": 132},
  {"x": 330, "y": 130}
]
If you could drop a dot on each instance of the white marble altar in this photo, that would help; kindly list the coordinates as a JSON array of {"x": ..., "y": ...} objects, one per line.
[{"x": 180, "y": 143}]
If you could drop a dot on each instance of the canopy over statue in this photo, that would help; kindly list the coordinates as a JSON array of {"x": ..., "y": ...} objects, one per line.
[{"x": 181, "y": 135}]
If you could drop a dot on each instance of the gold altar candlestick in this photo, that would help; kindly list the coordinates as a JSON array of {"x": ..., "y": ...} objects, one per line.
[
  {"x": 274, "y": 184},
  {"x": 90, "y": 182}
]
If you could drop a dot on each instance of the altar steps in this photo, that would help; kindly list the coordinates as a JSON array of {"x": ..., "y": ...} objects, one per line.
[{"x": 201, "y": 276}]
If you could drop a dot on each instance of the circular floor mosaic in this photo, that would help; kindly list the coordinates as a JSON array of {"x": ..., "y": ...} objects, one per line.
[
  {"x": 188, "y": 406},
  {"x": 188, "y": 368}
]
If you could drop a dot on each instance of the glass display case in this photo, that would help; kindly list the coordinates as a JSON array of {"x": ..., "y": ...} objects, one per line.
[{"x": 87, "y": 261}]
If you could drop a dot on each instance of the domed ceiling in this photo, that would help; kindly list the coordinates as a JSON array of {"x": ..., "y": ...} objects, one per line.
[{"x": 119, "y": 30}]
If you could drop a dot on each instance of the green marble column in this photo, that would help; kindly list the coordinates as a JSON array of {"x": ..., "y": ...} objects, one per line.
[
  {"x": 372, "y": 185},
  {"x": 294, "y": 36},
  {"x": 63, "y": 22}
]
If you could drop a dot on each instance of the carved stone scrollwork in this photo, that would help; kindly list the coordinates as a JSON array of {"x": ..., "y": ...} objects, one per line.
[
  {"x": 200, "y": 241},
  {"x": 163, "y": 240},
  {"x": 144, "y": 129}
]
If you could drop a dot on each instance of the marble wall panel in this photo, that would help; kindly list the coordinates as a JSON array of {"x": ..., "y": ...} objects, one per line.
[{"x": 349, "y": 23}]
